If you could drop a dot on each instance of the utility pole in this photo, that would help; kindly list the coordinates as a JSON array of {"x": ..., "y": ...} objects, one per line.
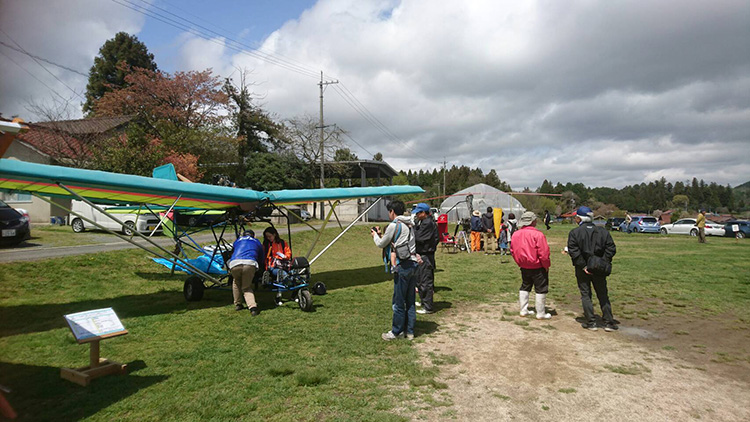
[
  {"x": 322, "y": 84},
  {"x": 444, "y": 171}
]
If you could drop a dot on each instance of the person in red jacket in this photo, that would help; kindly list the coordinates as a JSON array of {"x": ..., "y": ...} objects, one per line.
[{"x": 531, "y": 252}]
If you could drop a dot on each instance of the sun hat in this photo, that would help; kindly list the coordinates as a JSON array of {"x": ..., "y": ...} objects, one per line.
[
  {"x": 476, "y": 213},
  {"x": 527, "y": 218}
]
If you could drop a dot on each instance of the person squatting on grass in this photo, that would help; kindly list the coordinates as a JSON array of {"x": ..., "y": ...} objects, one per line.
[
  {"x": 426, "y": 237},
  {"x": 488, "y": 223},
  {"x": 531, "y": 252},
  {"x": 247, "y": 253},
  {"x": 591, "y": 249},
  {"x": 399, "y": 237},
  {"x": 477, "y": 228}
]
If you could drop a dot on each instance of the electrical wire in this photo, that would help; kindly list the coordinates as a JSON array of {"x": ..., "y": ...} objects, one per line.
[
  {"x": 43, "y": 66},
  {"x": 288, "y": 64},
  {"x": 34, "y": 56},
  {"x": 34, "y": 76}
]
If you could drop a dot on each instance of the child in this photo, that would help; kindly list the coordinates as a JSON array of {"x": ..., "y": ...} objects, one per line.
[{"x": 504, "y": 239}]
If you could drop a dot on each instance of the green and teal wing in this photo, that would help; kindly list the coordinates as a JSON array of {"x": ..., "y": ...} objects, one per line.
[
  {"x": 95, "y": 185},
  {"x": 102, "y": 186}
]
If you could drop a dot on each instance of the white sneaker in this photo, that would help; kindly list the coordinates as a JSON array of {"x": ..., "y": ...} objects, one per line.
[
  {"x": 410, "y": 337},
  {"x": 417, "y": 303},
  {"x": 388, "y": 336},
  {"x": 424, "y": 311},
  {"x": 279, "y": 303}
]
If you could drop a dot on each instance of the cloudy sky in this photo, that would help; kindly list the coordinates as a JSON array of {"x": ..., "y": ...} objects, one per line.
[{"x": 607, "y": 93}]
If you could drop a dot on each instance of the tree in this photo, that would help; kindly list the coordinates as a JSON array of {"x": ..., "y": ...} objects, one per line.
[
  {"x": 269, "y": 171},
  {"x": 302, "y": 138},
  {"x": 255, "y": 129},
  {"x": 185, "y": 100},
  {"x": 344, "y": 154},
  {"x": 681, "y": 201},
  {"x": 108, "y": 74}
]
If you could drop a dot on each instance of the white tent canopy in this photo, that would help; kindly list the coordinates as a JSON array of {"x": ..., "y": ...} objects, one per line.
[{"x": 483, "y": 196}]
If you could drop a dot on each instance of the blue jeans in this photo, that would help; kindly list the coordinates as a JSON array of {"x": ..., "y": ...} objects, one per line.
[
  {"x": 279, "y": 275},
  {"x": 404, "y": 310}
]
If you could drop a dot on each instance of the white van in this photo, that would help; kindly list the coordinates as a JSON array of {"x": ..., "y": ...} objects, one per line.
[{"x": 133, "y": 218}]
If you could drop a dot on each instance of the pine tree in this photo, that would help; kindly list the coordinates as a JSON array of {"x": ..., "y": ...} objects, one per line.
[{"x": 107, "y": 74}]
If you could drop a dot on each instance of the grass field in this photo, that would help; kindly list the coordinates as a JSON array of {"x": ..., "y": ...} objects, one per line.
[{"x": 204, "y": 361}]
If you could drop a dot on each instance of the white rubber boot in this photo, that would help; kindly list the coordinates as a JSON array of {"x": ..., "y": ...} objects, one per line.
[
  {"x": 541, "y": 312},
  {"x": 523, "y": 299}
]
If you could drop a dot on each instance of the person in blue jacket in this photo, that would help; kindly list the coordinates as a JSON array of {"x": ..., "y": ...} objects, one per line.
[{"x": 246, "y": 258}]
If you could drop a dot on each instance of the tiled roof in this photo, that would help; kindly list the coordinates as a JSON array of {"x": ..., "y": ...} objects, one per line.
[
  {"x": 70, "y": 139},
  {"x": 94, "y": 125}
]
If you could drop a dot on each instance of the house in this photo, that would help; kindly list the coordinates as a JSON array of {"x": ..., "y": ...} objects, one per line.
[{"x": 65, "y": 142}]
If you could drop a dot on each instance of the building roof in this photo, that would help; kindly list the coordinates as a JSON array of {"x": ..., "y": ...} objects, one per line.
[
  {"x": 69, "y": 139},
  {"x": 370, "y": 167},
  {"x": 91, "y": 126}
]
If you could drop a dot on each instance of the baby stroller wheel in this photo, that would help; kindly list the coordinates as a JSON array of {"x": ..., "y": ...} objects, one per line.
[{"x": 305, "y": 300}]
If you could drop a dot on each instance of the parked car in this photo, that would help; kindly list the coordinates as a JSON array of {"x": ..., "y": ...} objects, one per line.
[
  {"x": 641, "y": 224},
  {"x": 614, "y": 223},
  {"x": 737, "y": 228},
  {"x": 14, "y": 225},
  {"x": 305, "y": 215},
  {"x": 133, "y": 218},
  {"x": 687, "y": 226}
]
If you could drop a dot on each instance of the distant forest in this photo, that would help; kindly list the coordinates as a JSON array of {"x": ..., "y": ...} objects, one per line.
[{"x": 643, "y": 198}]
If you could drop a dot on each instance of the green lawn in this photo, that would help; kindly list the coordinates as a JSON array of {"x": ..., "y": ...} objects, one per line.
[{"x": 203, "y": 361}]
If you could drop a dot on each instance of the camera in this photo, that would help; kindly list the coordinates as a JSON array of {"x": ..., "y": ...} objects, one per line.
[{"x": 373, "y": 228}]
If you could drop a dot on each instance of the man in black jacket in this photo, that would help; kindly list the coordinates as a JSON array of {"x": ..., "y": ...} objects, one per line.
[
  {"x": 488, "y": 222},
  {"x": 426, "y": 236},
  {"x": 585, "y": 241}
]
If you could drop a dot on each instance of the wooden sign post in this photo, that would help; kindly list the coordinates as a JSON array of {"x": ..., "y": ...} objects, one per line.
[{"x": 92, "y": 327}]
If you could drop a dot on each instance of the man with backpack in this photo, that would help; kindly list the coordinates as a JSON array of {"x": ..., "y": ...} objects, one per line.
[
  {"x": 426, "y": 236},
  {"x": 591, "y": 249},
  {"x": 399, "y": 239}
]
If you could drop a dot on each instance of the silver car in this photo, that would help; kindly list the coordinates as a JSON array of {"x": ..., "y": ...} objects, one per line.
[{"x": 687, "y": 226}]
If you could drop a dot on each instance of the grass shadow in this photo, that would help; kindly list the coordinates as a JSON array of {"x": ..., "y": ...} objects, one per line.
[
  {"x": 341, "y": 279},
  {"x": 443, "y": 289},
  {"x": 37, "y": 389},
  {"x": 423, "y": 327},
  {"x": 22, "y": 319}
]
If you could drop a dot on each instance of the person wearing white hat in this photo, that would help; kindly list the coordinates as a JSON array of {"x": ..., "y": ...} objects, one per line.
[
  {"x": 531, "y": 252},
  {"x": 477, "y": 228}
]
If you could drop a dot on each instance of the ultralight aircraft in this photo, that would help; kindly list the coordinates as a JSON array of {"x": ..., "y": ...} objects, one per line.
[{"x": 164, "y": 194}]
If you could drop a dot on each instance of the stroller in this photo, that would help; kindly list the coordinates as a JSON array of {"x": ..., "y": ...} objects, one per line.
[{"x": 294, "y": 277}]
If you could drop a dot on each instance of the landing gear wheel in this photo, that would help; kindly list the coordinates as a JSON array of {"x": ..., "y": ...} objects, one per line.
[
  {"x": 77, "y": 226},
  {"x": 193, "y": 289},
  {"x": 694, "y": 232},
  {"x": 128, "y": 228},
  {"x": 305, "y": 300}
]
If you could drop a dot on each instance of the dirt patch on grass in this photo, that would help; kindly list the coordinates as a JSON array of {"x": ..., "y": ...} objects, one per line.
[{"x": 503, "y": 367}]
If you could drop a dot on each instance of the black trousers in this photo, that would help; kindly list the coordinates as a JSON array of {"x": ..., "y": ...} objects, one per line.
[
  {"x": 537, "y": 277},
  {"x": 585, "y": 281},
  {"x": 426, "y": 280}
]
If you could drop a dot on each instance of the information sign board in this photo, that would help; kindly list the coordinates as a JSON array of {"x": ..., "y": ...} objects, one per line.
[{"x": 95, "y": 324}]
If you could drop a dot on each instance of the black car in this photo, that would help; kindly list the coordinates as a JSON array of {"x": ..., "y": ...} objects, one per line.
[
  {"x": 14, "y": 226},
  {"x": 614, "y": 223},
  {"x": 737, "y": 228}
]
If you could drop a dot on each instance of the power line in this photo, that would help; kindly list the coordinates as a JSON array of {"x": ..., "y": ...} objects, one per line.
[
  {"x": 288, "y": 64},
  {"x": 357, "y": 143},
  {"x": 231, "y": 44},
  {"x": 34, "y": 76},
  {"x": 34, "y": 56},
  {"x": 43, "y": 66}
]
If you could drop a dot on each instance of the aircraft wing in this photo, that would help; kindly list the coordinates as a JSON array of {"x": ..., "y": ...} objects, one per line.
[{"x": 48, "y": 180}]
